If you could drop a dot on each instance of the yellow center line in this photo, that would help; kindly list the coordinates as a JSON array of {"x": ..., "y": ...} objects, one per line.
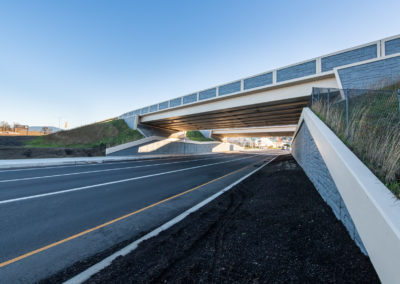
[{"x": 112, "y": 221}]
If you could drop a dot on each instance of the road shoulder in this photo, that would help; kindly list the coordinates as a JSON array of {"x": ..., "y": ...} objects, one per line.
[{"x": 272, "y": 227}]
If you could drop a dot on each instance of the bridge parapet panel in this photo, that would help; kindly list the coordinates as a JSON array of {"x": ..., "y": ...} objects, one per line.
[
  {"x": 348, "y": 57},
  {"x": 163, "y": 105},
  {"x": 189, "y": 99},
  {"x": 175, "y": 102},
  {"x": 297, "y": 71},
  {"x": 258, "y": 81},
  {"x": 229, "y": 88},
  {"x": 392, "y": 46},
  {"x": 208, "y": 94}
]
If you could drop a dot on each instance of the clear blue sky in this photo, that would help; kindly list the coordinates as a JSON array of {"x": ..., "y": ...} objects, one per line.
[{"x": 88, "y": 60}]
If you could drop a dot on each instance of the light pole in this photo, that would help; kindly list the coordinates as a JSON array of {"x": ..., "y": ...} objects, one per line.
[{"x": 59, "y": 122}]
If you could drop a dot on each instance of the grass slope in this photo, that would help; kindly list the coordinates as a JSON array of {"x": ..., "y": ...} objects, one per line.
[
  {"x": 197, "y": 136},
  {"x": 90, "y": 136},
  {"x": 373, "y": 132}
]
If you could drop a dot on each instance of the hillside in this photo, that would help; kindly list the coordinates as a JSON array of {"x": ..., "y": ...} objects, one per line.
[
  {"x": 197, "y": 136},
  {"x": 372, "y": 131},
  {"x": 89, "y": 136}
]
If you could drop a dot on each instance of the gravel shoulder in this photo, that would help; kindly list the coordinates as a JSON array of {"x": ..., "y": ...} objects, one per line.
[{"x": 273, "y": 227}]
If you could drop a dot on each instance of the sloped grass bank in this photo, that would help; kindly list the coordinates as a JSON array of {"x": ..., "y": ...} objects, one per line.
[
  {"x": 373, "y": 132},
  {"x": 197, "y": 136},
  {"x": 103, "y": 135}
]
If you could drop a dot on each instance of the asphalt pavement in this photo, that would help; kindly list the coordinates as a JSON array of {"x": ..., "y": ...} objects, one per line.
[{"x": 52, "y": 217}]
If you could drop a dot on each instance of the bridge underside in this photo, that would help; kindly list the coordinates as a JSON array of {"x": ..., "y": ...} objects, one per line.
[
  {"x": 258, "y": 134},
  {"x": 283, "y": 112},
  {"x": 268, "y": 131}
]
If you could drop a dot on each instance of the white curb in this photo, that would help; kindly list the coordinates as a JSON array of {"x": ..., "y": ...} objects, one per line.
[{"x": 22, "y": 163}]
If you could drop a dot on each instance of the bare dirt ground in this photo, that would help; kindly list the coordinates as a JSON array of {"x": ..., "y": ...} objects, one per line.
[
  {"x": 272, "y": 228},
  {"x": 15, "y": 140},
  {"x": 13, "y": 147}
]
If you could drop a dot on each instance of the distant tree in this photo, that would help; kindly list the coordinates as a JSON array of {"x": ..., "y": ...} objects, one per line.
[
  {"x": 4, "y": 126},
  {"x": 15, "y": 124}
]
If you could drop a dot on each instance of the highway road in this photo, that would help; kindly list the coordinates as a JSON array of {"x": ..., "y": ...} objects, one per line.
[{"x": 52, "y": 217}]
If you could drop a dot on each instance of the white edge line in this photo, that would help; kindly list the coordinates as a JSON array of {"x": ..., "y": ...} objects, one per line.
[
  {"x": 114, "y": 182},
  {"x": 78, "y": 164},
  {"x": 104, "y": 170},
  {"x": 93, "y": 163},
  {"x": 86, "y": 274},
  {"x": 22, "y": 164}
]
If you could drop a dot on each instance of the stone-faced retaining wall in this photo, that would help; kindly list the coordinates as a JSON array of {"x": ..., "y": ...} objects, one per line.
[
  {"x": 372, "y": 75},
  {"x": 306, "y": 153}
]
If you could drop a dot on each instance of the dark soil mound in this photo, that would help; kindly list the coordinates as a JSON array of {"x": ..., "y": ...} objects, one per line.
[
  {"x": 27, "y": 153},
  {"x": 15, "y": 140}
]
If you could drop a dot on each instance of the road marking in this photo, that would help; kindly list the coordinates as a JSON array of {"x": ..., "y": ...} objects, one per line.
[
  {"x": 94, "y": 163},
  {"x": 105, "y": 170},
  {"x": 86, "y": 274},
  {"x": 114, "y": 182},
  {"x": 112, "y": 221}
]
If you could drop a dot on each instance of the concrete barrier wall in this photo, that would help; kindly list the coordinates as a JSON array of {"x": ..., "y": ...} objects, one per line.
[
  {"x": 206, "y": 133},
  {"x": 131, "y": 121},
  {"x": 374, "y": 210},
  {"x": 132, "y": 144},
  {"x": 171, "y": 146}
]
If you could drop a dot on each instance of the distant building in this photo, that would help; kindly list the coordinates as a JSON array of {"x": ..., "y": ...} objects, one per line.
[{"x": 21, "y": 129}]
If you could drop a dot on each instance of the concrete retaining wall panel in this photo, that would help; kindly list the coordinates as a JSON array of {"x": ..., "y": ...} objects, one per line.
[
  {"x": 306, "y": 153},
  {"x": 131, "y": 121},
  {"x": 372, "y": 75},
  {"x": 372, "y": 208},
  {"x": 170, "y": 146}
]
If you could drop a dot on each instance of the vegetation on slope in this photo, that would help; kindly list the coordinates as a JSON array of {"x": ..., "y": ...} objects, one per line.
[
  {"x": 373, "y": 133},
  {"x": 105, "y": 134},
  {"x": 197, "y": 136}
]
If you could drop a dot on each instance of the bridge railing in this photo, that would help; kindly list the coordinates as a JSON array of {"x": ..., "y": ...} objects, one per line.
[{"x": 368, "y": 121}]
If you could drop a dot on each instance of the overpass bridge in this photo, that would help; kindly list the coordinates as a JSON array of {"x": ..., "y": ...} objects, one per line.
[
  {"x": 274, "y": 100},
  {"x": 275, "y": 97}
]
